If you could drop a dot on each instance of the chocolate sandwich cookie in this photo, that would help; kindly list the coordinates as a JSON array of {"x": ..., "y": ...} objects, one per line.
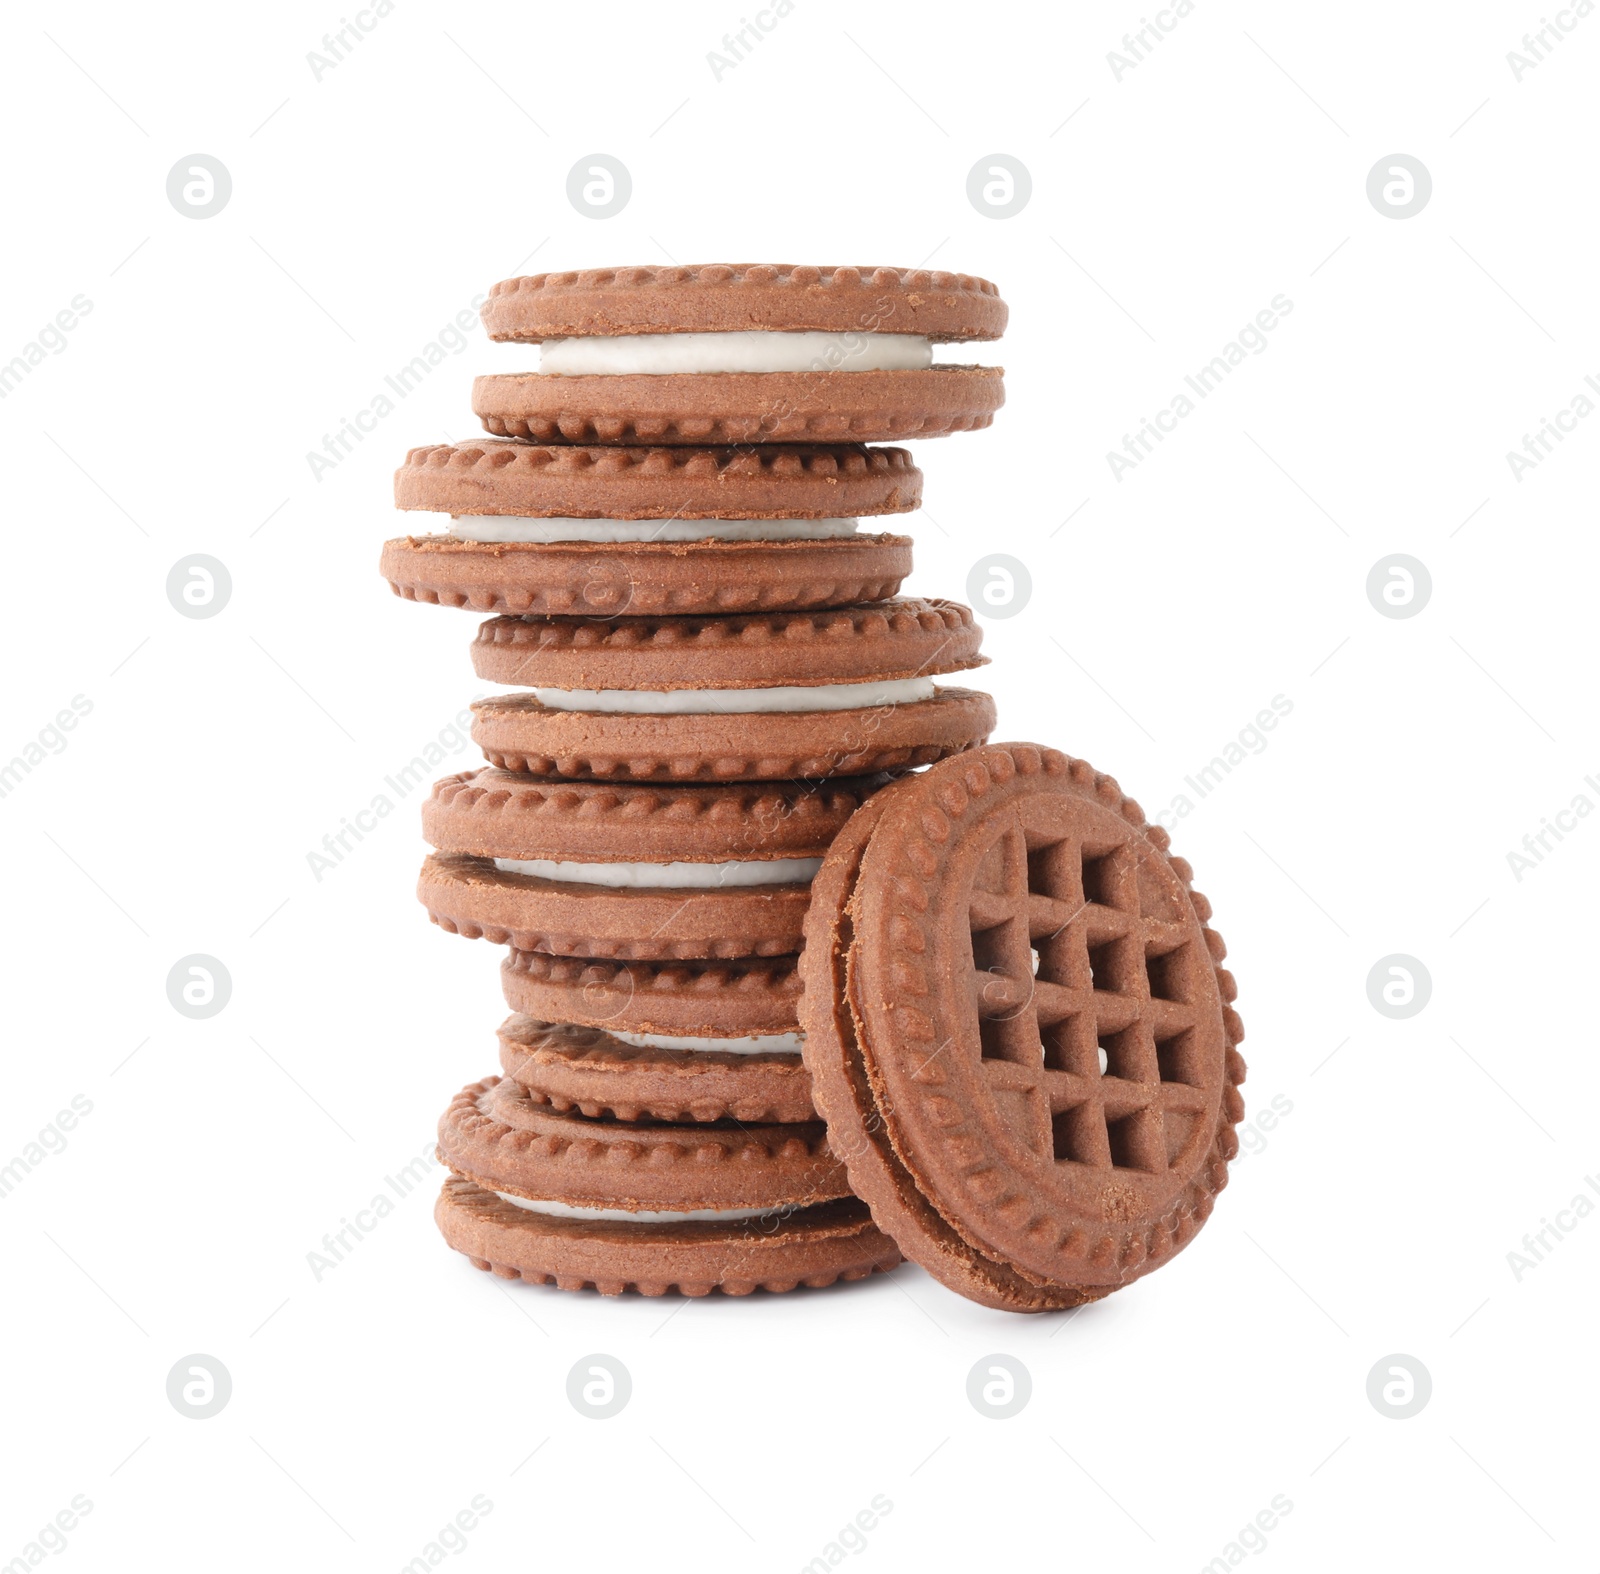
[
  {"x": 738, "y": 999},
  {"x": 816, "y": 1246},
  {"x": 495, "y": 1135},
  {"x": 574, "y": 530},
  {"x": 759, "y": 697},
  {"x": 1019, "y": 1030},
  {"x": 638, "y": 1076},
  {"x": 593, "y": 869},
  {"x": 741, "y": 354},
  {"x": 647, "y": 1206}
]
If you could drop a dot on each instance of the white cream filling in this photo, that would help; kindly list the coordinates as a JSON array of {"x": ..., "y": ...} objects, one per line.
[
  {"x": 515, "y": 527},
  {"x": 736, "y": 702},
  {"x": 749, "y": 350},
  {"x": 756, "y": 1044},
  {"x": 565, "y": 1210},
  {"x": 669, "y": 876}
]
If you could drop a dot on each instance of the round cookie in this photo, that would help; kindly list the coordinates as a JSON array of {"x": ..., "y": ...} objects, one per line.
[
  {"x": 494, "y": 1135},
  {"x": 779, "y": 354},
  {"x": 487, "y": 823},
  {"x": 471, "y": 897},
  {"x": 741, "y": 407},
  {"x": 595, "y": 1073},
  {"x": 719, "y": 298},
  {"x": 904, "y": 637},
  {"x": 759, "y": 697},
  {"x": 499, "y": 814},
  {"x": 1019, "y": 1030},
  {"x": 713, "y": 999},
  {"x": 520, "y": 734},
  {"x": 581, "y": 578},
  {"x": 815, "y": 1246},
  {"x": 530, "y": 481}
]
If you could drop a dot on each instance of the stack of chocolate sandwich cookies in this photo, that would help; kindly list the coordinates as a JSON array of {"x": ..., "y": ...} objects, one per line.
[{"x": 707, "y": 671}]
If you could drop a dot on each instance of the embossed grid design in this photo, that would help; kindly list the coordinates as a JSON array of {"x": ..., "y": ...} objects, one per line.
[{"x": 1086, "y": 972}]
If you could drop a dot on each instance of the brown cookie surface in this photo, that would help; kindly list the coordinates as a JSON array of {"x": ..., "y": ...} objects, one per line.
[
  {"x": 740, "y": 407},
  {"x": 471, "y": 897},
  {"x": 678, "y": 999},
  {"x": 517, "y": 732},
  {"x": 590, "y": 1071},
  {"x": 493, "y": 813},
  {"x": 981, "y": 938},
  {"x": 496, "y": 1136},
  {"x": 796, "y": 481},
  {"x": 816, "y": 1247},
  {"x": 730, "y": 297},
  {"x": 905, "y": 637},
  {"x": 575, "y": 578},
  {"x": 477, "y": 817}
]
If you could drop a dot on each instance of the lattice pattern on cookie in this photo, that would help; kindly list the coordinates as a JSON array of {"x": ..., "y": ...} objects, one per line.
[{"x": 1087, "y": 975}]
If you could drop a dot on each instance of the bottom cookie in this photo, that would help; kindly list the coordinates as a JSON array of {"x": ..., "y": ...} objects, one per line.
[{"x": 813, "y": 1246}]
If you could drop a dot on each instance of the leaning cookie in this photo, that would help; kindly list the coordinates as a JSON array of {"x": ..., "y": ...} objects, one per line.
[
  {"x": 1019, "y": 1029},
  {"x": 761, "y": 697},
  {"x": 635, "y": 872},
  {"x": 650, "y": 1207},
  {"x": 563, "y": 530},
  {"x": 741, "y": 354}
]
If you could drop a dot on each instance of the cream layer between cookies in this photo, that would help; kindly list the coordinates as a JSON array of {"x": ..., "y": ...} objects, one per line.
[
  {"x": 565, "y": 1210},
  {"x": 669, "y": 876},
  {"x": 508, "y": 528},
  {"x": 744, "y": 350},
  {"x": 756, "y": 1044},
  {"x": 796, "y": 698}
]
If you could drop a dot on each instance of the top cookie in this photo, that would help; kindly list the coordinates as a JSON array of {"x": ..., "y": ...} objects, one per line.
[{"x": 728, "y": 298}]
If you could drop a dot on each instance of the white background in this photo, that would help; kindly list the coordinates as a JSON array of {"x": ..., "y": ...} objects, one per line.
[{"x": 1169, "y": 607}]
